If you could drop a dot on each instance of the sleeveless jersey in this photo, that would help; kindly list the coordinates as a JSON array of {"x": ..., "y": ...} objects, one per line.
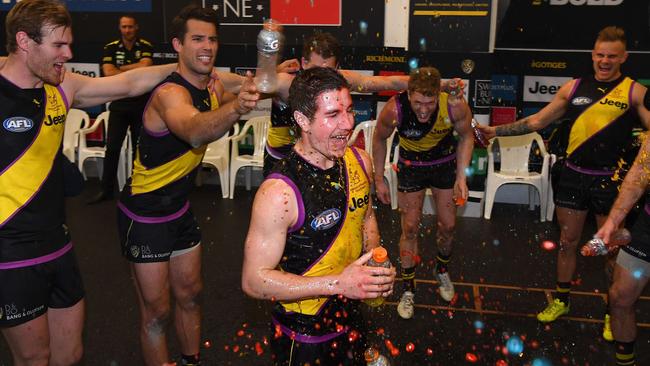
[
  {"x": 326, "y": 238},
  {"x": 424, "y": 142},
  {"x": 602, "y": 123},
  {"x": 31, "y": 171},
  {"x": 280, "y": 138},
  {"x": 165, "y": 167}
]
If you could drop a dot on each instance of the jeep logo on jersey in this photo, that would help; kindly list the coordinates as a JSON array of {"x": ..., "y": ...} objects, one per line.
[
  {"x": 18, "y": 124},
  {"x": 52, "y": 121},
  {"x": 326, "y": 219},
  {"x": 358, "y": 202},
  {"x": 615, "y": 103},
  {"x": 581, "y": 101}
]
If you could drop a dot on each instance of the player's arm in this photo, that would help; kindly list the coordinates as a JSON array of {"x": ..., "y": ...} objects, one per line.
[
  {"x": 368, "y": 84},
  {"x": 386, "y": 122},
  {"x": 275, "y": 210},
  {"x": 174, "y": 106},
  {"x": 462, "y": 117},
  {"x": 641, "y": 102},
  {"x": 143, "y": 62},
  {"x": 634, "y": 185},
  {"x": 87, "y": 92},
  {"x": 551, "y": 112}
]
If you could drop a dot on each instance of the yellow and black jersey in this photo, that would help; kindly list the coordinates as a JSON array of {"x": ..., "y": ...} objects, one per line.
[
  {"x": 31, "y": 171},
  {"x": 280, "y": 138},
  {"x": 115, "y": 53},
  {"x": 602, "y": 122},
  {"x": 327, "y": 236},
  {"x": 165, "y": 167},
  {"x": 424, "y": 143}
]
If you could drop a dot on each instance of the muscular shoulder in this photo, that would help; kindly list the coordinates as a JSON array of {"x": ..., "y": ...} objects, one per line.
[{"x": 276, "y": 199}]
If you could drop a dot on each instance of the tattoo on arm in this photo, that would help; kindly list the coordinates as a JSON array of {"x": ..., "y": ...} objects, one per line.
[{"x": 514, "y": 129}]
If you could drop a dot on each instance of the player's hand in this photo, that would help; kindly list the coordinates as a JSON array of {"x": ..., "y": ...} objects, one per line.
[
  {"x": 488, "y": 131},
  {"x": 248, "y": 95},
  {"x": 289, "y": 66},
  {"x": 358, "y": 281},
  {"x": 381, "y": 189}
]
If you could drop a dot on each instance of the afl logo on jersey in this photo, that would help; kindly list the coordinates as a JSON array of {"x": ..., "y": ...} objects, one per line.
[
  {"x": 326, "y": 219},
  {"x": 581, "y": 101},
  {"x": 18, "y": 124}
]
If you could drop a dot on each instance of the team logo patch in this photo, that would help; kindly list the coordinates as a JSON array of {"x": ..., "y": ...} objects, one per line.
[
  {"x": 135, "y": 251},
  {"x": 326, "y": 219},
  {"x": 18, "y": 124},
  {"x": 581, "y": 101}
]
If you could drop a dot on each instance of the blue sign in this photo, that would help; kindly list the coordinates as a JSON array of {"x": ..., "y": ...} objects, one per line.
[
  {"x": 503, "y": 88},
  {"x": 121, "y": 6}
]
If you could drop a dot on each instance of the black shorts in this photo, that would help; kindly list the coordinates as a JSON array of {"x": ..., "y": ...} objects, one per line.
[
  {"x": 345, "y": 349},
  {"x": 28, "y": 292},
  {"x": 581, "y": 191},
  {"x": 639, "y": 247},
  {"x": 157, "y": 242},
  {"x": 412, "y": 178}
]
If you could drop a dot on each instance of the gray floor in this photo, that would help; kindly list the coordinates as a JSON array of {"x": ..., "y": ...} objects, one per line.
[{"x": 502, "y": 277}]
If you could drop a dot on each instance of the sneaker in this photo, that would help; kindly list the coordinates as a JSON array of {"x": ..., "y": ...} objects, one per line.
[
  {"x": 553, "y": 311},
  {"x": 405, "y": 307},
  {"x": 446, "y": 287},
  {"x": 607, "y": 329}
]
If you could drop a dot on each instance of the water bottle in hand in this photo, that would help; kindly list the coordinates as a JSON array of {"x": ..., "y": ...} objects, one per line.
[
  {"x": 596, "y": 246},
  {"x": 269, "y": 42},
  {"x": 379, "y": 259}
]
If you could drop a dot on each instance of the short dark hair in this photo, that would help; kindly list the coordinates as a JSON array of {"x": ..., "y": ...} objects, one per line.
[
  {"x": 323, "y": 44},
  {"x": 309, "y": 84},
  {"x": 425, "y": 80},
  {"x": 128, "y": 15},
  {"x": 612, "y": 34},
  {"x": 192, "y": 11},
  {"x": 30, "y": 16}
]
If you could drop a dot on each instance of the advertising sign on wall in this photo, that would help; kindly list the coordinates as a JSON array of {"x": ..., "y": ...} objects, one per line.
[
  {"x": 542, "y": 88},
  {"x": 133, "y": 6},
  {"x": 321, "y": 13}
]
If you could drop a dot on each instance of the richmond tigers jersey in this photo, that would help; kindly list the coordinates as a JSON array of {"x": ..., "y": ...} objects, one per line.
[
  {"x": 424, "y": 142},
  {"x": 31, "y": 171},
  {"x": 601, "y": 131},
  {"x": 328, "y": 236},
  {"x": 280, "y": 138},
  {"x": 165, "y": 166}
]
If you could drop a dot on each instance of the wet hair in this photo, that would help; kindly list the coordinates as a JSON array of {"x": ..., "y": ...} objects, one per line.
[
  {"x": 309, "y": 84},
  {"x": 425, "y": 80},
  {"x": 612, "y": 34},
  {"x": 192, "y": 11},
  {"x": 30, "y": 16},
  {"x": 323, "y": 44}
]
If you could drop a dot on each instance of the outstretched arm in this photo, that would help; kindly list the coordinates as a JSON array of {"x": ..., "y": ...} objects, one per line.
[
  {"x": 173, "y": 106},
  {"x": 365, "y": 83},
  {"x": 85, "y": 91},
  {"x": 551, "y": 112}
]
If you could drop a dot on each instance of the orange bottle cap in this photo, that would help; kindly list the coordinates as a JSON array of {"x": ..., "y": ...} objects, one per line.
[{"x": 379, "y": 254}]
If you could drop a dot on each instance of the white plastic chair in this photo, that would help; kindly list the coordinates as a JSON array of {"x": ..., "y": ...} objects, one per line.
[
  {"x": 125, "y": 164},
  {"x": 368, "y": 128},
  {"x": 75, "y": 121},
  {"x": 91, "y": 152},
  {"x": 260, "y": 126},
  {"x": 514, "y": 152},
  {"x": 217, "y": 155}
]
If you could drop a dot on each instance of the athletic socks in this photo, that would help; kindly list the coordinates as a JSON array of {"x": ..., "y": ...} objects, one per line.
[
  {"x": 563, "y": 289},
  {"x": 441, "y": 262},
  {"x": 408, "y": 278},
  {"x": 625, "y": 353}
]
